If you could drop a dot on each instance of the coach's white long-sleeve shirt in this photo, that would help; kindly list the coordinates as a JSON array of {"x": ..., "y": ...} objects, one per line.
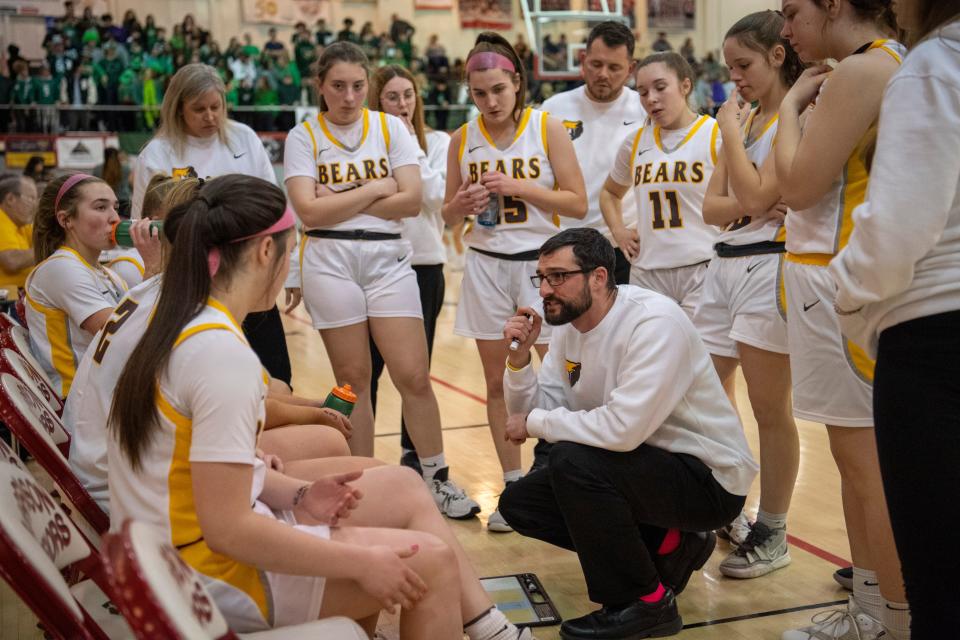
[
  {"x": 903, "y": 258},
  {"x": 642, "y": 375}
]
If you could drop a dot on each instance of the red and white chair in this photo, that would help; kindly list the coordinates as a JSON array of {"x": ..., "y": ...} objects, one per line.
[
  {"x": 13, "y": 362},
  {"x": 7, "y": 320},
  {"x": 18, "y": 339},
  {"x": 164, "y": 599},
  {"x": 40, "y": 431},
  {"x": 38, "y": 544}
]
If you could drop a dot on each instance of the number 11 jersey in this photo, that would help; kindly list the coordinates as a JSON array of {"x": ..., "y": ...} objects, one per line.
[
  {"x": 521, "y": 226},
  {"x": 669, "y": 172}
]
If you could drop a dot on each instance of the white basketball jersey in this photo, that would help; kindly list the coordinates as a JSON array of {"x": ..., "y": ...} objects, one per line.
[
  {"x": 748, "y": 230},
  {"x": 62, "y": 292},
  {"x": 521, "y": 226},
  {"x": 341, "y": 167},
  {"x": 820, "y": 231},
  {"x": 670, "y": 185},
  {"x": 91, "y": 395}
]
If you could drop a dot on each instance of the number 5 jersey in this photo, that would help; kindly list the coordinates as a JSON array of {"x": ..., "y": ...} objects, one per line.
[
  {"x": 669, "y": 172},
  {"x": 520, "y": 226}
]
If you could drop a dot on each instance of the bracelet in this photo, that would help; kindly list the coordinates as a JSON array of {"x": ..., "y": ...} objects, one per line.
[
  {"x": 513, "y": 368},
  {"x": 841, "y": 312},
  {"x": 298, "y": 496}
]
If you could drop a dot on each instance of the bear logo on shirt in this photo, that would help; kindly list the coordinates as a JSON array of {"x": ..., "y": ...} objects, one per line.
[
  {"x": 573, "y": 372},
  {"x": 574, "y": 128}
]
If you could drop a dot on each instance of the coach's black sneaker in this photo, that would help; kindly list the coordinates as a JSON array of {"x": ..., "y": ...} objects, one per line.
[
  {"x": 629, "y": 622},
  {"x": 676, "y": 568}
]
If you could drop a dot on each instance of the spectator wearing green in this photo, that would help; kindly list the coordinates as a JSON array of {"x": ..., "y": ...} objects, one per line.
[
  {"x": 288, "y": 94},
  {"x": 23, "y": 94},
  {"x": 265, "y": 96},
  {"x": 249, "y": 48},
  {"x": 152, "y": 97},
  {"x": 150, "y": 32},
  {"x": 304, "y": 53}
]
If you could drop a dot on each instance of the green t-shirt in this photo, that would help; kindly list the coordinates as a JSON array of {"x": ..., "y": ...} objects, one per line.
[{"x": 46, "y": 90}]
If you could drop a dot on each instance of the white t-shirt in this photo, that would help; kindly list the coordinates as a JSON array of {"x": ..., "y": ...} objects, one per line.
[
  {"x": 88, "y": 403},
  {"x": 344, "y": 158},
  {"x": 62, "y": 292},
  {"x": 243, "y": 153},
  {"x": 425, "y": 231},
  {"x": 211, "y": 409},
  {"x": 596, "y": 129},
  {"x": 642, "y": 375},
  {"x": 669, "y": 172}
]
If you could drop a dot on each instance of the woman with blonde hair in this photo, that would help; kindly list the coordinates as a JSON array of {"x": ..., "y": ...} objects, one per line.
[
  {"x": 196, "y": 138},
  {"x": 394, "y": 90}
]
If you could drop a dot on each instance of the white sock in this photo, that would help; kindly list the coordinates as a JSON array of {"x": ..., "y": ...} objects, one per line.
[
  {"x": 512, "y": 476},
  {"x": 895, "y": 616},
  {"x": 492, "y": 625},
  {"x": 431, "y": 465},
  {"x": 772, "y": 520},
  {"x": 866, "y": 591}
]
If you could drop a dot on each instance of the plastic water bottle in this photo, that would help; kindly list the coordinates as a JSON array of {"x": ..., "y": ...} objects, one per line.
[
  {"x": 121, "y": 232},
  {"x": 341, "y": 399},
  {"x": 488, "y": 217}
]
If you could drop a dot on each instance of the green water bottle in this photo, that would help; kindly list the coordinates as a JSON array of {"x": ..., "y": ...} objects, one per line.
[
  {"x": 121, "y": 232},
  {"x": 341, "y": 399}
]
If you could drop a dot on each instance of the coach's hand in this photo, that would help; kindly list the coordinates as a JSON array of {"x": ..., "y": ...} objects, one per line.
[
  {"x": 524, "y": 327},
  {"x": 516, "y": 432}
]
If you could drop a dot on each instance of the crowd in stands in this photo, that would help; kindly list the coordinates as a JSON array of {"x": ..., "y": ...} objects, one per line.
[{"x": 95, "y": 61}]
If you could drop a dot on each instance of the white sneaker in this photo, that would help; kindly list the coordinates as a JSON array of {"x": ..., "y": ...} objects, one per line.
[
  {"x": 763, "y": 551},
  {"x": 452, "y": 501},
  {"x": 737, "y": 531},
  {"x": 497, "y": 524},
  {"x": 850, "y": 623}
]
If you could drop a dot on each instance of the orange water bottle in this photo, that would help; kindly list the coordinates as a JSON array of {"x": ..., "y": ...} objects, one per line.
[{"x": 341, "y": 399}]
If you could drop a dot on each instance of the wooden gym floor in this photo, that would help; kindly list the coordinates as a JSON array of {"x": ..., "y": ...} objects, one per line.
[{"x": 713, "y": 607}]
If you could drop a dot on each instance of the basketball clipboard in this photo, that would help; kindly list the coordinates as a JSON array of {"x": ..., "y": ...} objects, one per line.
[{"x": 522, "y": 599}]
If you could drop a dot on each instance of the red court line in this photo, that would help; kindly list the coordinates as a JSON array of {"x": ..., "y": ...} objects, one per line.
[{"x": 823, "y": 554}]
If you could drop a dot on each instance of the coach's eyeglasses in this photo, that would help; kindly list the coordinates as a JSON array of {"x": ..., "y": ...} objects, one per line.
[{"x": 556, "y": 278}]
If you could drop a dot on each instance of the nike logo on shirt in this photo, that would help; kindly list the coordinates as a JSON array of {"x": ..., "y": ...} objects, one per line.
[
  {"x": 237, "y": 156},
  {"x": 643, "y": 151},
  {"x": 807, "y": 307},
  {"x": 627, "y": 123},
  {"x": 752, "y": 267},
  {"x": 474, "y": 149}
]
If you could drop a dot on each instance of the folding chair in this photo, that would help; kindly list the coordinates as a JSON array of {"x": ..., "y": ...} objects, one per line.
[
  {"x": 7, "y": 320},
  {"x": 41, "y": 432},
  {"x": 38, "y": 542},
  {"x": 18, "y": 339},
  {"x": 164, "y": 599},
  {"x": 13, "y": 362}
]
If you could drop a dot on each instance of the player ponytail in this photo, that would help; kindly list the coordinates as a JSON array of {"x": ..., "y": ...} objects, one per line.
[
  {"x": 223, "y": 210},
  {"x": 492, "y": 42},
  {"x": 760, "y": 32},
  {"x": 48, "y": 234}
]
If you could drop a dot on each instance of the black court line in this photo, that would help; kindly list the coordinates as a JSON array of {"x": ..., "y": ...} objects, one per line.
[
  {"x": 465, "y": 426},
  {"x": 763, "y": 614}
]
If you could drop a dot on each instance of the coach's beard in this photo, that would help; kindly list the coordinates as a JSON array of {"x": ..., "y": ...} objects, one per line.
[{"x": 557, "y": 311}]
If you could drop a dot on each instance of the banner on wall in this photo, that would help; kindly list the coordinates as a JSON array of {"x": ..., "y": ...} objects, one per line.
[
  {"x": 83, "y": 152},
  {"x": 486, "y": 14},
  {"x": 433, "y": 4},
  {"x": 288, "y": 12},
  {"x": 19, "y": 149}
]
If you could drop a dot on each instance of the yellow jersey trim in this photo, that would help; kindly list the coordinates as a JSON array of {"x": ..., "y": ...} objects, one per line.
[
  {"x": 363, "y": 136},
  {"x": 686, "y": 139},
  {"x": 192, "y": 331},
  {"x": 882, "y": 45},
  {"x": 524, "y": 119},
  {"x": 126, "y": 259},
  {"x": 313, "y": 138},
  {"x": 463, "y": 142},
  {"x": 58, "y": 336},
  {"x": 633, "y": 149},
  {"x": 815, "y": 259},
  {"x": 385, "y": 128},
  {"x": 713, "y": 142},
  {"x": 543, "y": 134},
  {"x": 219, "y": 306}
]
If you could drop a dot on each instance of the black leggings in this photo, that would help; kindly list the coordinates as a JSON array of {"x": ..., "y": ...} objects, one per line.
[
  {"x": 264, "y": 331},
  {"x": 916, "y": 404},
  {"x": 432, "y": 289}
]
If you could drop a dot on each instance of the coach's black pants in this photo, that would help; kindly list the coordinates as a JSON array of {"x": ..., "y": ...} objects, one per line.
[
  {"x": 264, "y": 331},
  {"x": 916, "y": 404},
  {"x": 432, "y": 289},
  {"x": 614, "y": 508}
]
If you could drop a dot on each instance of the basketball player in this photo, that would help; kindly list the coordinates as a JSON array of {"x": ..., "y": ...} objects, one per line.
[
  {"x": 667, "y": 162},
  {"x": 741, "y": 316},
  {"x": 515, "y": 169},
  {"x": 352, "y": 174},
  {"x": 598, "y": 113},
  {"x": 822, "y": 175}
]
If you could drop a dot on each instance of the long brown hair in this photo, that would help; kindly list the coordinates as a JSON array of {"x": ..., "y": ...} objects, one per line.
[
  {"x": 112, "y": 171},
  {"x": 760, "y": 32},
  {"x": 230, "y": 207},
  {"x": 880, "y": 11},
  {"x": 342, "y": 51},
  {"x": 379, "y": 80},
  {"x": 493, "y": 42},
  {"x": 48, "y": 234},
  {"x": 930, "y": 16}
]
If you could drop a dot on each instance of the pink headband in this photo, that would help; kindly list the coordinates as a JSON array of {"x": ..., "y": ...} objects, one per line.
[
  {"x": 286, "y": 221},
  {"x": 490, "y": 60},
  {"x": 66, "y": 186}
]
